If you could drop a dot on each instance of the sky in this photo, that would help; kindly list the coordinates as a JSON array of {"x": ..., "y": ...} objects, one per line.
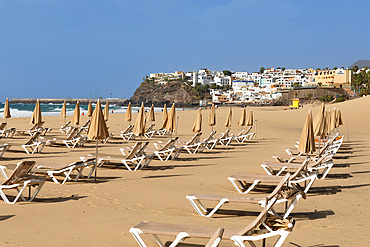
[{"x": 91, "y": 48}]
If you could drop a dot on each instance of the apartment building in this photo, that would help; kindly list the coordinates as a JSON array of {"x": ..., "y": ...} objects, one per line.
[{"x": 333, "y": 78}]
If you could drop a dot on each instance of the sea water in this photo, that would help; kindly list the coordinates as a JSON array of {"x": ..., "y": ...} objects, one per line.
[{"x": 25, "y": 110}]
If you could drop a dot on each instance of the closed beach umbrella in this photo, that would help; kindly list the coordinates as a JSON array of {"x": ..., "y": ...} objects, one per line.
[
  {"x": 97, "y": 129},
  {"x": 339, "y": 121},
  {"x": 164, "y": 116},
  {"x": 170, "y": 120},
  {"x": 63, "y": 112},
  {"x": 319, "y": 122},
  {"x": 229, "y": 118},
  {"x": 307, "y": 141},
  {"x": 197, "y": 127},
  {"x": 89, "y": 110},
  {"x": 327, "y": 124},
  {"x": 76, "y": 114},
  {"x": 250, "y": 118},
  {"x": 106, "y": 111},
  {"x": 139, "y": 128},
  {"x": 36, "y": 115},
  {"x": 243, "y": 118},
  {"x": 151, "y": 115},
  {"x": 7, "y": 110},
  {"x": 128, "y": 115},
  {"x": 333, "y": 119},
  {"x": 212, "y": 117}
]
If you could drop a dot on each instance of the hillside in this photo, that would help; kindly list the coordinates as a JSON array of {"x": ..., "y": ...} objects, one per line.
[
  {"x": 361, "y": 64},
  {"x": 173, "y": 92}
]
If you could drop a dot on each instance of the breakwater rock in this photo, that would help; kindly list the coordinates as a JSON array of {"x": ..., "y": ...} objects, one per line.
[{"x": 70, "y": 101}]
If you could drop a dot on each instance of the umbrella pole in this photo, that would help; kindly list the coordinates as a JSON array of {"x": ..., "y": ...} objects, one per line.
[
  {"x": 177, "y": 122},
  {"x": 96, "y": 158}
]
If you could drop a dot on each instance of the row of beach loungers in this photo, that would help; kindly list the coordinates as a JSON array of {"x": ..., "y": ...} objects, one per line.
[
  {"x": 290, "y": 187},
  {"x": 134, "y": 158}
]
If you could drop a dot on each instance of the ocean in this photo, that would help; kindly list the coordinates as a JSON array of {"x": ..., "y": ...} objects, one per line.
[{"x": 25, "y": 110}]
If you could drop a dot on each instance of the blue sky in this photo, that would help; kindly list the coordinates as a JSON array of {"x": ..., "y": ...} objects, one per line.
[{"x": 93, "y": 48}]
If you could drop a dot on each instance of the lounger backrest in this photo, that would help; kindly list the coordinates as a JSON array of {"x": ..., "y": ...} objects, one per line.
[
  {"x": 2, "y": 126},
  {"x": 240, "y": 133},
  {"x": 127, "y": 130},
  {"x": 134, "y": 151},
  {"x": 195, "y": 139},
  {"x": 72, "y": 134},
  {"x": 226, "y": 134},
  {"x": 210, "y": 137},
  {"x": 33, "y": 138},
  {"x": 66, "y": 125},
  {"x": 248, "y": 130},
  {"x": 169, "y": 144},
  {"x": 249, "y": 229},
  {"x": 39, "y": 125},
  {"x": 217, "y": 235},
  {"x": 142, "y": 148},
  {"x": 327, "y": 144},
  {"x": 22, "y": 169},
  {"x": 86, "y": 124},
  {"x": 150, "y": 128},
  {"x": 279, "y": 186},
  {"x": 299, "y": 170}
]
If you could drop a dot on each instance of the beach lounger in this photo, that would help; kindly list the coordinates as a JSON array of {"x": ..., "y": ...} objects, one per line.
[
  {"x": 33, "y": 130},
  {"x": 33, "y": 145},
  {"x": 150, "y": 132},
  {"x": 168, "y": 151},
  {"x": 279, "y": 181},
  {"x": 132, "y": 161},
  {"x": 244, "y": 136},
  {"x": 141, "y": 151},
  {"x": 290, "y": 157},
  {"x": 85, "y": 127},
  {"x": 73, "y": 140},
  {"x": 192, "y": 146},
  {"x": 225, "y": 139},
  {"x": 19, "y": 180},
  {"x": 54, "y": 170},
  {"x": 259, "y": 229},
  {"x": 127, "y": 133},
  {"x": 324, "y": 163},
  {"x": 210, "y": 142},
  {"x": 7, "y": 133},
  {"x": 65, "y": 128},
  {"x": 332, "y": 145},
  {"x": 3, "y": 148}
]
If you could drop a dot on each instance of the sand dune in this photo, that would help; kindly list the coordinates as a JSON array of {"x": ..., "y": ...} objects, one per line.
[{"x": 88, "y": 213}]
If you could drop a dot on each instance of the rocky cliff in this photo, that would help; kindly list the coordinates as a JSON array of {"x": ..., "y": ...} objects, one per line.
[{"x": 173, "y": 92}]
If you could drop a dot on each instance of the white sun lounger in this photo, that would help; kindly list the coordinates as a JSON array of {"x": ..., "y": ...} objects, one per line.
[
  {"x": 19, "y": 180},
  {"x": 258, "y": 229}
]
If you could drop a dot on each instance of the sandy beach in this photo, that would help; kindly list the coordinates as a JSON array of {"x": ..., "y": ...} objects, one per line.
[{"x": 88, "y": 213}]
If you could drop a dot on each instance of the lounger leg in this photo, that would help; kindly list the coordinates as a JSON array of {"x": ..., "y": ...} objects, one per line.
[
  {"x": 136, "y": 233},
  {"x": 242, "y": 189},
  {"x": 39, "y": 186},
  {"x": 179, "y": 238},
  {"x": 198, "y": 206},
  {"x": 51, "y": 174},
  {"x": 127, "y": 166},
  {"x": 238, "y": 240}
]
